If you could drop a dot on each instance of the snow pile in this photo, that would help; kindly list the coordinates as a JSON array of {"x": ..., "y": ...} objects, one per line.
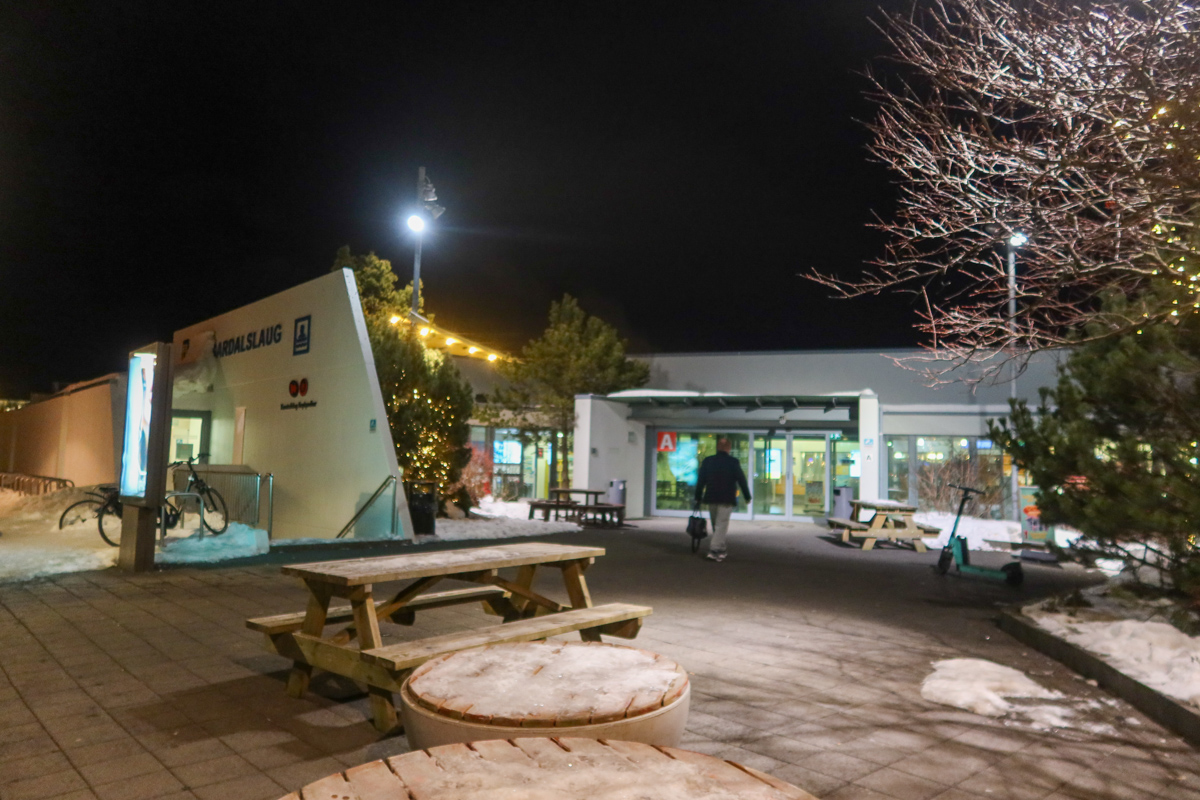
[
  {"x": 981, "y": 687},
  {"x": 545, "y": 679},
  {"x": 32, "y": 546},
  {"x": 495, "y": 519},
  {"x": 1155, "y": 653},
  {"x": 980, "y": 533},
  {"x": 238, "y": 541}
]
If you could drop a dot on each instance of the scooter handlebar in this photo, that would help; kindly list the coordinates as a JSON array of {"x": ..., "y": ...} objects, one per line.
[{"x": 967, "y": 489}]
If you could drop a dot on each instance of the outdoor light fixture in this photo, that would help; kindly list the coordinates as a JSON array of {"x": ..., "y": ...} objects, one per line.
[
  {"x": 424, "y": 331},
  {"x": 1018, "y": 239},
  {"x": 416, "y": 222},
  {"x": 394, "y": 319},
  {"x": 491, "y": 356},
  {"x": 451, "y": 340},
  {"x": 473, "y": 350}
]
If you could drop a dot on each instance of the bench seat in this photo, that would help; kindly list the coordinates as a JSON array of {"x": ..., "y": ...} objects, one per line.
[
  {"x": 291, "y": 623},
  {"x": 615, "y": 619},
  {"x": 847, "y": 524}
]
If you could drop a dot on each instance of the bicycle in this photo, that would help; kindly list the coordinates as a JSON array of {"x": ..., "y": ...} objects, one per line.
[
  {"x": 104, "y": 503},
  {"x": 213, "y": 502}
]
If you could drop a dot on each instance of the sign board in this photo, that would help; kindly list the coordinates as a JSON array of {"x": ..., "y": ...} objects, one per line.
[
  {"x": 146, "y": 443},
  {"x": 667, "y": 441},
  {"x": 1032, "y": 527}
]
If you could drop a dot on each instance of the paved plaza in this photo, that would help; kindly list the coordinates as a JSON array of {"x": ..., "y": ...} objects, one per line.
[{"x": 806, "y": 659}]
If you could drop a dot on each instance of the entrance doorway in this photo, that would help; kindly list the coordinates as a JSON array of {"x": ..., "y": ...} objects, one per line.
[{"x": 790, "y": 475}]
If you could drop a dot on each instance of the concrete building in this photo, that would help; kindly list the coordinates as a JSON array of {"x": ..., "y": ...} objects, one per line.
[{"x": 804, "y": 425}]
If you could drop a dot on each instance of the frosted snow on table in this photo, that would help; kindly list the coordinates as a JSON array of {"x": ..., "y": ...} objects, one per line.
[{"x": 545, "y": 680}]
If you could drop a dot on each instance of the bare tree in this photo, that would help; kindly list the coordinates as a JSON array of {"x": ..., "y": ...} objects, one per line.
[{"x": 1073, "y": 123}]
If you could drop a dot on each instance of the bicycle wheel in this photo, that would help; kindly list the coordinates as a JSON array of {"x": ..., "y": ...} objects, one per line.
[
  {"x": 214, "y": 504},
  {"x": 110, "y": 517},
  {"x": 78, "y": 511}
]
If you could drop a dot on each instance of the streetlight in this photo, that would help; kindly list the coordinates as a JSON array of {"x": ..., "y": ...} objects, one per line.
[
  {"x": 427, "y": 200},
  {"x": 1017, "y": 239}
]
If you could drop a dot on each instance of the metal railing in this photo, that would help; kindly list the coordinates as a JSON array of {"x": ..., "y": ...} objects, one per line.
[
  {"x": 242, "y": 490},
  {"x": 389, "y": 480},
  {"x": 33, "y": 484}
]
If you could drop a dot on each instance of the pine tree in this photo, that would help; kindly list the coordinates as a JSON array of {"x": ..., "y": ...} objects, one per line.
[
  {"x": 1114, "y": 448},
  {"x": 577, "y": 354},
  {"x": 428, "y": 401}
]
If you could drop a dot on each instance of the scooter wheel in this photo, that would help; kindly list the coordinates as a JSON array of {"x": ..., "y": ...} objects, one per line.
[
  {"x": 1013, "y": 574},
  {"x": 944, "y": 561}
]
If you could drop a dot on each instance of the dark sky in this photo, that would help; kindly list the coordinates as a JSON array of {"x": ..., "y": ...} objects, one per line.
[{"x": 672, "y": 164}]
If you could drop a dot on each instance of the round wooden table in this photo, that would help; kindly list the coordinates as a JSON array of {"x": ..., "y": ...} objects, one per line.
[
  {"x": 551, "y": 769},
  {"x": 540, "y": 688}
]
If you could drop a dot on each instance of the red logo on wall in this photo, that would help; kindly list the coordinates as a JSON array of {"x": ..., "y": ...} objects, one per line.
[
  {"x": 303, "y": 386},
  {"x": 666, "y": 441},
  {"x": 299, "y": 387}
]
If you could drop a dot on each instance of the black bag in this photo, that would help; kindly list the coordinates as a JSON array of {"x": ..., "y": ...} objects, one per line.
[{"x": 697, "y": 528}]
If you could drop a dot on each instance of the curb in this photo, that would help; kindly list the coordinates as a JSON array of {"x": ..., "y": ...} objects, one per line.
[{"x": 1169, "y": 713}]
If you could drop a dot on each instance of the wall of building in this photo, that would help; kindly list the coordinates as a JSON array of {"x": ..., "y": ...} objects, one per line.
[
  {"x": 329, "y": 447},
  {"x": 75, "y": 434},
  {"x": 610, "y": 446}
]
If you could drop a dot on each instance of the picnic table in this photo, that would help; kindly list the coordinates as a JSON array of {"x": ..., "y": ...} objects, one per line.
[
  {"x": 570, "y": 768},
  {"x": 590, "y": 496},
  {"x": 527, "y": 614},
  {"x": 890, "y": 519}
]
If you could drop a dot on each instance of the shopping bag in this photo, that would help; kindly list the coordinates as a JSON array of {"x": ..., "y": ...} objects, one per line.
[{"x": 697, "y": 528}]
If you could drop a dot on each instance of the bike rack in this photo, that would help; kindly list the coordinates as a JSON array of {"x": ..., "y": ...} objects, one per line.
[{"x": 162, "y": 515}]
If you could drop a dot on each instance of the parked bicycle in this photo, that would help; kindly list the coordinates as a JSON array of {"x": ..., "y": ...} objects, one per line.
[
  {"x": 104, "y": 503},
  {"x": 210, "y": 497}
]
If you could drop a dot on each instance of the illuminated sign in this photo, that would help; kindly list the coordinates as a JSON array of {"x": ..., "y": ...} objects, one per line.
[
  {"x": 666, "y": 441},
  {"x": 139, "y": 399}
]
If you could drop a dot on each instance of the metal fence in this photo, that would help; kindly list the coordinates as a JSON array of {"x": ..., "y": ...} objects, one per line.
[
  {"x": 243, "y": 491},
  {"x": 32, "y": 484}
]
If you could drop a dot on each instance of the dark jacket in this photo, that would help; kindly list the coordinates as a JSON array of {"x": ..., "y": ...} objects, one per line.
[{"x": 720, "y": 477}]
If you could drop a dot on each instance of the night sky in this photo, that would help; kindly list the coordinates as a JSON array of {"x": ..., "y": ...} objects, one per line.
[{"x": 672, "y": 164}]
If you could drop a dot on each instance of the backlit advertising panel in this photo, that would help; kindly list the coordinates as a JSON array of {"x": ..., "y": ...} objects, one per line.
[{"x": 139, "y": 409}]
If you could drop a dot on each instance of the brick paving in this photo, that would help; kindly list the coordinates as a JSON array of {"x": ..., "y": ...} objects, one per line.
[{"x": 806, "y": 660}]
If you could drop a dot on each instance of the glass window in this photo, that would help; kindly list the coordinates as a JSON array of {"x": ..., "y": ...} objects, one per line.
[
  {"x": 770, "y": 478},
  {"x": 676, "y": 470},
  {"x": 847, "y": 464},
  {"x": 808, "y": 475},
  {"x": 942, "y": 461},
  {"x": 897, "y": 463},
  {"x": 186, "y": 433}
]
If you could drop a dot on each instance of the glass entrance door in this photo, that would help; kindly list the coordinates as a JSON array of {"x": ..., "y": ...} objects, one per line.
[
  {"x": 808, "y": 475},
  {"x": 790, "y": 476},
  {"x": 771, "y": 472}
]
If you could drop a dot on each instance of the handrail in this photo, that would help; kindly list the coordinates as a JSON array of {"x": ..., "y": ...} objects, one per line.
[
  {"x": 389, "y": 480},
  {"x": 33, "y": 484}
]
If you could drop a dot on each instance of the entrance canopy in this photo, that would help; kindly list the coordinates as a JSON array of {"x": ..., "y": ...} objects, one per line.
[{"x": 738, "y": 409}]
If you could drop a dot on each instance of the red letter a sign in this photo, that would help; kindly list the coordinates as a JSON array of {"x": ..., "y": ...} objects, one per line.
[{"x": 666, "y": 441}]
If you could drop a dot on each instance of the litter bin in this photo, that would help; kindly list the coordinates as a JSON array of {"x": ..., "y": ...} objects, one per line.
[
  {"x": 841, "y": 502},
  {"x": 616, "y": 493},
  {"x": 422, "y": 507}
]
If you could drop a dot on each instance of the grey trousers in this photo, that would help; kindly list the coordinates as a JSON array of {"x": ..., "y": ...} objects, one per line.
[{"x": 720, "y": 522}]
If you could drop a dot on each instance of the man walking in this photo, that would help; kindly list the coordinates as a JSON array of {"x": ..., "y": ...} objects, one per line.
[{"x": 720, "y": 477}]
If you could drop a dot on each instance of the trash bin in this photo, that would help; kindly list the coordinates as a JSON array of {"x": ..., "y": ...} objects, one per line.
[
  {"x": 422, "y": 507},
  {"x": 616, "y": 493},
  {"x": 841, "y": 502}
]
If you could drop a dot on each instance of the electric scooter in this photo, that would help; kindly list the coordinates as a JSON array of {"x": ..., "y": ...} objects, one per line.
[{"x": 956, "y": 551}]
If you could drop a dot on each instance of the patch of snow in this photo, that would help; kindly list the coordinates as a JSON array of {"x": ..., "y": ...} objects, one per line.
[
  {"x": 979, "y": 531},
  {"x": 1153, "y": 652},
  {"x": 238, "y": 541},
  {"x": 511, "y": 681},
  {"x": 32, "y": 546}
]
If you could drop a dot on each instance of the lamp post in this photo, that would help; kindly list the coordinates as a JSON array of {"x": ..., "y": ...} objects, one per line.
[
  {"x": 1014, "y": 241},
  {"x": 429, "y": 211}
]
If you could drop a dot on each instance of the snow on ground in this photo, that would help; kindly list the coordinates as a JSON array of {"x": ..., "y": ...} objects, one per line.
[
  {"x": 32, "y": 546},
  {"x": 990, "y": 689},
  {"x": 238, "y": 541},
  {"x": 1131, "y": 635},
  {"x": 978, "y": 531}
]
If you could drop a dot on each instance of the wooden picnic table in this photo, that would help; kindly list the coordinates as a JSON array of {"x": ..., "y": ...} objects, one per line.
[
  {"x": 527, "y": 614},
  {"x": 890, "y": 520},
  {"x": 569, "y": 768},
  {"x": 591, "y": 496}
]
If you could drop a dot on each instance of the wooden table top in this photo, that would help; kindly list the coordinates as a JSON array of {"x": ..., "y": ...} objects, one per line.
[
  {"x": 596, "y": 492},
  {"x": 567, "y": 768},
  {"x": 883, "y": 505},
  {"x": 547, "y": 684},
  {"x": 380, "y": 569}
]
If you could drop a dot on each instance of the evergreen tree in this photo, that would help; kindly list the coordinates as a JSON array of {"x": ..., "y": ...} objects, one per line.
[
  {"x": 577, "y": 354},
  {"x": 428, "y": 401},
  {"x": 1113, "y": 447}
]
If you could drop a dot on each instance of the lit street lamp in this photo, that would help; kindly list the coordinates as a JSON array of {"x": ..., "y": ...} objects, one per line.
[{"x": 1014, "y": 241}]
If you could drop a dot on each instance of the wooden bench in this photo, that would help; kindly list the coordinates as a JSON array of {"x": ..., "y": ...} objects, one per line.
[
  {"x": 290, "y": 623},
  {"x": 614, "y": 619},
  {"x": 603, "y": 514},
  {"x": 546, "y": 506},
  {"x": 871, "y": 534}
]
